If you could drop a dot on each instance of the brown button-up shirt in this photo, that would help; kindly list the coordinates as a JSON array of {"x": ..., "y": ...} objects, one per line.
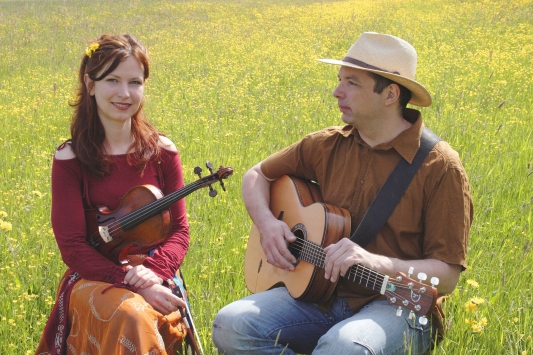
[{"x": 433, "y": 218}]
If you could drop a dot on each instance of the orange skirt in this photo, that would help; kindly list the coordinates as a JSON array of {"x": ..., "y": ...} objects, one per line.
[{"x": 118, "y": 321}]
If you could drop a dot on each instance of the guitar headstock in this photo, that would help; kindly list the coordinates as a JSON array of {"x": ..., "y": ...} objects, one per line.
[{"x": 403, "y": 291}]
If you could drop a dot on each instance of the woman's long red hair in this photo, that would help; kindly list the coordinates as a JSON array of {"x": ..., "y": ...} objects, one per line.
[{"x": 86, "y": 129}]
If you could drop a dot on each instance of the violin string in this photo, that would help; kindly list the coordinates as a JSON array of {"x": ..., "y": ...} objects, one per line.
[{"x": 153, "y": 207}]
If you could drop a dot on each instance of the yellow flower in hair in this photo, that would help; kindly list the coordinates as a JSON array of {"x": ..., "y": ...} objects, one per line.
[{"x": 91, "y": 49}]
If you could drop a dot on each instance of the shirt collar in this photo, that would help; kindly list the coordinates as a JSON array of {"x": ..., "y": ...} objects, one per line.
[{"x": 406, "y": 143}]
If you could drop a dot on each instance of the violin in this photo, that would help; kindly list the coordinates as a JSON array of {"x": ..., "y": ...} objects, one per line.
[{"x": 143, "y": 217}]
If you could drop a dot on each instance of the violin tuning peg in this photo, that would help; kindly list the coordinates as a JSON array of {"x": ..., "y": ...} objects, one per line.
[
  {"x": 434, "y": 281},
  {"x": 209, "y": 166},
  {"x": 222, "y": 185},
  {"x": 423, "y": 320},
  {"x": 197, "y": 170},
  {"x": 422, "y": 276},
  {"x": 212, "y": 192}
]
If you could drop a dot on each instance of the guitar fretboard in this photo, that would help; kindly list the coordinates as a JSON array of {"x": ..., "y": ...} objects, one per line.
[{"x": 364, "y": 276}]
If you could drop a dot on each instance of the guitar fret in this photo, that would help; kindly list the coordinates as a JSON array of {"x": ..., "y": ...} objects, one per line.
[{"x": 315, "y": 254}]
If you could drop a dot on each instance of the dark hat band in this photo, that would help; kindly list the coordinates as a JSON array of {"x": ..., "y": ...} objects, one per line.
[{"x": 365, "y": 65}]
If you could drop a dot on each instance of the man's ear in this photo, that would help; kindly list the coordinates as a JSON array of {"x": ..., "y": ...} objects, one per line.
[
  {"x": 393, "y": 94},
  {"x": 89, "y": 84}
]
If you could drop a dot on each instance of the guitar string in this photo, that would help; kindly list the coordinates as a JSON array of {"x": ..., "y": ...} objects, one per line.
[
  {"x": 318, "y": 252},
  {"x": 317, "y": 255},
  {"x": 152, "y": 207}
]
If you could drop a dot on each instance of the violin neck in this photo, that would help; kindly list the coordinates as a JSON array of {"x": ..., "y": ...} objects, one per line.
[{"x": 133, "y": 219}]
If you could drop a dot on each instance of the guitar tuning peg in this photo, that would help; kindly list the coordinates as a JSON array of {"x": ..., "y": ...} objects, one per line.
[
  {"x": 434, "y": 281},
  {"x": 422, "y": 277},
  {"x": 410, "y": 272},
  {"x": 399, "y": 312},
  {"x": 412, "y": 315},
  {"x": 423, "y": 320}
]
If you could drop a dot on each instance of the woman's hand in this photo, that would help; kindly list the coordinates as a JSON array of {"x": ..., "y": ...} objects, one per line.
[
  {"x": 161, "y": 298},
  {"x": 141, "y": 277}
]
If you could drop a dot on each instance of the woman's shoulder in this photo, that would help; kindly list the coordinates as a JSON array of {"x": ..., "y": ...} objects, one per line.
[
  {"x": 167, "y": 144},
  {"x": 65, "y": 152}
]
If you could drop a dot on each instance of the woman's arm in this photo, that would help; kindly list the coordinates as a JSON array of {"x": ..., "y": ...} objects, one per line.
[
  {"x": 167, "y": 258},
  {"x": 68, "y": 222}
]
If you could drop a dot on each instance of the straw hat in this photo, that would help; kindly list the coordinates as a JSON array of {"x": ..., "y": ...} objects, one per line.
[{"x": 388, "y": 56}]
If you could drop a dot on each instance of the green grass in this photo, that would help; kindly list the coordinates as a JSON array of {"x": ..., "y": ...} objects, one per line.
[{"x": 234, "y": 81}]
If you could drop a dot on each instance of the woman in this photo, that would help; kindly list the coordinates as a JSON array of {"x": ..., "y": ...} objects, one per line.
[{"x": 114, "y": 309}]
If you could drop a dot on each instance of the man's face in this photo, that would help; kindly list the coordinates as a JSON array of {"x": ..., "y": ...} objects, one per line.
[{"x": 357, "y": 101}]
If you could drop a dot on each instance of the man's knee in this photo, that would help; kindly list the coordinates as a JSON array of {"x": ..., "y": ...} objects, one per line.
[{"x": 334, "y": 344}]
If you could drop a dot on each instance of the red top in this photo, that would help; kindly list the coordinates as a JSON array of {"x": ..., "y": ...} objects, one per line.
[{"x": 75, "y": 189}]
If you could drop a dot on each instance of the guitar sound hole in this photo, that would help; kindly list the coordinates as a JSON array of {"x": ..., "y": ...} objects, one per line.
[{"x": 296, "y": 247}]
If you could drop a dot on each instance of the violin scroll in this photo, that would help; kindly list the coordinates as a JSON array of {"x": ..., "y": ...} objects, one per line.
[{"x": 222, "y": 173}]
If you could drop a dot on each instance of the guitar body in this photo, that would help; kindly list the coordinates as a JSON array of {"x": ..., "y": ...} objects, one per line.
[{"x": 296, "y": 202}]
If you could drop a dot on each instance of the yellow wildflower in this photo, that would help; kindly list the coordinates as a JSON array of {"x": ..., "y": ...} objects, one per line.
[
  {"x": 3, "y": 214},
  {"x": 483, "y": 322},
  {"x": 5, "y": 226},
  {"x": 515, "y": 319},
  {"x": 476, "y": 328},
  {"x": 477, "y": 300},
  {"x": 37, "y": 193},
  {"x": 472, "y": 283},
  {"x": 470, "y": 306}
]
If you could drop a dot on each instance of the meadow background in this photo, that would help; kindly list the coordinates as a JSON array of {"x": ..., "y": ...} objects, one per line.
[{"x": 232, "y": 82}]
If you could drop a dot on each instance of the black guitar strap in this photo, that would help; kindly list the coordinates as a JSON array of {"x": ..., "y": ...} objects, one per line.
[{"x": 392, "y": 191}]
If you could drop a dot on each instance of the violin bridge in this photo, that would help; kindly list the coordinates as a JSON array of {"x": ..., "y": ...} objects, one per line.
[
  {"x": 104, "y": 233},
  {"x": 384, "y": 285}
]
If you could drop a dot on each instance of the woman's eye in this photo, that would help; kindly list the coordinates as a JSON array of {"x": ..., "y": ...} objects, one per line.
[
  {"x": 112, "y": 80},
  {"x": 136, "y": 82}
]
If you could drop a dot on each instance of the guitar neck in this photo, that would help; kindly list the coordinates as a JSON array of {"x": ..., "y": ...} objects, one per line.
[{"x": 364, "y": 276}]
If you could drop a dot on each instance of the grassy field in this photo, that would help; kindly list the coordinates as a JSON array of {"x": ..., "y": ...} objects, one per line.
[{"x": 232, "y": 82}]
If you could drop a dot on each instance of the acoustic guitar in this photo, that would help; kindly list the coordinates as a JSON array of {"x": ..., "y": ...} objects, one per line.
[{"x": 316, "y": 225}]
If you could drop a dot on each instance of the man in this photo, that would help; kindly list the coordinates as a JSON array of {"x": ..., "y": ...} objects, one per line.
[{"x": 428, "y": 229}]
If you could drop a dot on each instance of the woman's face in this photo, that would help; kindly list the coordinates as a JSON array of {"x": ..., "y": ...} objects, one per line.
[{"x": 119, "y": 95}]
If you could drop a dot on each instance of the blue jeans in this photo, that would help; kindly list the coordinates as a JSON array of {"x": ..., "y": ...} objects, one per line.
[{"x": 272, "y": 322}]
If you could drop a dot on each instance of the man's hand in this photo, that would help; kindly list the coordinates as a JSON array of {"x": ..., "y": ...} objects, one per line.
[
  {"x": 344, "y": 254},
  {"x": 274, "y": 240}
]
